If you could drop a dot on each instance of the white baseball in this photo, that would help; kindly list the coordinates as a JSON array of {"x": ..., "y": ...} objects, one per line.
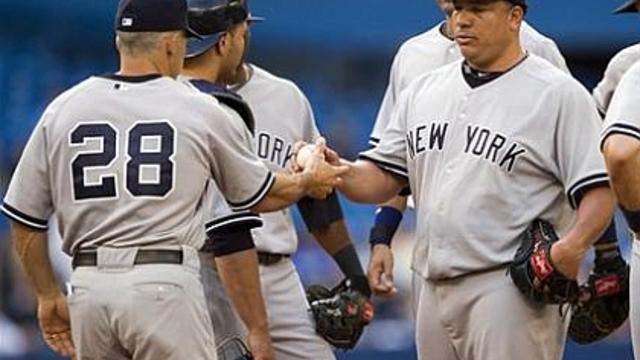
[{"x": 304, "y": 154}]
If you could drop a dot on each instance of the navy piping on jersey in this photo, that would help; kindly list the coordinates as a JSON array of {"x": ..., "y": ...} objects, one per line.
[
  {"x": 24, "y": 219},
  {"x": 621, "y": 129},
  {"x": 577, "y": 191},
  {"x": 374, "y": 141},
  {"x": 257, "y": 197},
  {"x": 132, "y": 79},
  {"x": 389, "y": 167},
  {"x": 245, "y": 220}
]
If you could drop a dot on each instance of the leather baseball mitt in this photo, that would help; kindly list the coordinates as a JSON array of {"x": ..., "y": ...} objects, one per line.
[
  {"x": 603, "y": 305},
  {"x": 340, "y": 313},
  {"x": 532, "y": 270}
]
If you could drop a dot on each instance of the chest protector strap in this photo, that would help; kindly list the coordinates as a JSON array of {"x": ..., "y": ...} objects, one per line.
[{"x": 230, "y": 99}]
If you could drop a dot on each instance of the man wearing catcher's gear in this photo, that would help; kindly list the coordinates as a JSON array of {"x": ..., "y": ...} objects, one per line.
[
  {"x": 487, "y": 145},
  {"x": 281, "y": 116}
]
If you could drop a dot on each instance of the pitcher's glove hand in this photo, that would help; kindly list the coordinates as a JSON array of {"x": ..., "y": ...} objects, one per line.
[
  {"x": 603, "y": 305},
  {"x": 533, "y": 272},
  {"x": 340, "y": 313}
]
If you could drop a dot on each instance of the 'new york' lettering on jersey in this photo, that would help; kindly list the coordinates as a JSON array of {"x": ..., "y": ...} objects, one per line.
[{"x": 484, "y": 162}]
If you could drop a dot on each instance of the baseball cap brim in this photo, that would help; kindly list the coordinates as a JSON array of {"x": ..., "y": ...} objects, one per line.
[
  {"x": 198, "y": 46},
  {"x": 252, "y": 18},
  {"x": 192, "y": 34},
  {"x": 628, "y": 7}
]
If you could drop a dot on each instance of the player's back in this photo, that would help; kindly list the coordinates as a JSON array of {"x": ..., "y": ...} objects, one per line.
[
  {"x": 616, "y": 69},
  {"x": 128, "y": 162}
]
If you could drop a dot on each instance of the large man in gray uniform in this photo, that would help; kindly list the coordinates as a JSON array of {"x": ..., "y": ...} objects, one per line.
[
  {"x": 488, "y": 145},
  {"x": 282, "y": 116},
  {"x": 109, "y": 157},
  {"x": 417, "y": 56}
]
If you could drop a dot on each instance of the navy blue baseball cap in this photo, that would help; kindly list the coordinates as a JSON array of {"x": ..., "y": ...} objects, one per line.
[
  {"x": 521, "y": 3},
  {"x": 153, "y": 16},
  {"x": 212, "y": 18},
  {"x": 627, "y": 7}
]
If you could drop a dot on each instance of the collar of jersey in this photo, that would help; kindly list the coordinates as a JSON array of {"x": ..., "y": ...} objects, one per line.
[
  {"x": 475, "y": 78},
  {"x": 132, "y": 79}
]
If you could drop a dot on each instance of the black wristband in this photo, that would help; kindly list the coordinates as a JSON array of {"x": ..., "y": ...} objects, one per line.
[
  {"x": 606, "y": 247},
  {"x": 385, "y": 226},
  {"x": 633, "y": 218},
  {"x": 348, "y": 261}
]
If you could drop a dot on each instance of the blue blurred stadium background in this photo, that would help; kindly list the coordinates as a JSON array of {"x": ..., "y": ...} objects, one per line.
[{"x": 338, "y": 52}]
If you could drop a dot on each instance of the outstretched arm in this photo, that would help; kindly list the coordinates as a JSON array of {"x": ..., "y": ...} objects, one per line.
[
  {"x": 367, "y": 183},
  {"x": 318, "y": 180}
]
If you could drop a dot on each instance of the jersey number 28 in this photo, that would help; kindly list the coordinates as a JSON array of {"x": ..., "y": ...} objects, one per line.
[{"x": 155, "y": 159}]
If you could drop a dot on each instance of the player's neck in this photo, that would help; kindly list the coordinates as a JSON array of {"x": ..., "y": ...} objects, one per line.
[
  {"x": 507, "y": 60},
  {"x": 133, "y": 66},
  {"x": 241, "y": 75},
  {"x": 204, "y": 67}
]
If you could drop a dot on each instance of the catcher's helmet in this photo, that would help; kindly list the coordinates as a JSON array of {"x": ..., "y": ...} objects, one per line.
[{"x": 211, "y": 18}]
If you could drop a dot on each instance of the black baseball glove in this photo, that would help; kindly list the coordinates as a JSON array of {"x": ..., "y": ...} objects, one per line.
[
  {"x": 603, "y": 305},
  {"x": 233, "y": 349},
  {"x": 532, "y": 270},
  {"x": 340, "y": 313}
]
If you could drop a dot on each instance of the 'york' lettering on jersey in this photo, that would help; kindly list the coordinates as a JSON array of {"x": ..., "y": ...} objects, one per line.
[
  {"x": 493, "y": 147},
  {"x": 480, "y": 142},
  {"x": 273, "y": 149},
  {"x": 426, "y": 138}
]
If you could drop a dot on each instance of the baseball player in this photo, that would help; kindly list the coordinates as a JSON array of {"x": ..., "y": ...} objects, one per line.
[
  {"x": 283, "y": 116},
  {"x": 417, "y": 56},
  {"x": 618, "y": 65},
  {"x": 621, "y": 146},
  {"x": 487, "y": 145},
  {"x": 105, "y": 156}
]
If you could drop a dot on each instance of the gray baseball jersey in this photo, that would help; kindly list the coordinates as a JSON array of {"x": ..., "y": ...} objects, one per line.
[
  {"x": 484, "y": 162},
  {"x": 617, "y": 67},
  {"x": 124, "y": 163},
  {"x": 431, "y": 50},
  {"x": 623, "y": 115},
  {"x": 283, "y": 116}
]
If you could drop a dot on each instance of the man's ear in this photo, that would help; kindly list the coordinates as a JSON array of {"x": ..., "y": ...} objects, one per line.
[
  {"x": 223, "y": 44},
  {"x": 516, "y": 16}
]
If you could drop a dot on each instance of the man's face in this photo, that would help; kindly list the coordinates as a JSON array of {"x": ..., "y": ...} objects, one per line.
[
  {"x": 446, "y": 6},
  {"x": 238, "y": 42},
  {"x": 483, "y": 29}
]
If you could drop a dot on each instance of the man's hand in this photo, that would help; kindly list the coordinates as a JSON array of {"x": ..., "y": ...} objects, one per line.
[
  {"x": 53, "y": 316},
  {"x": 566, "y": 257},
  {"x": 380, "y": 272},
  {"x": 323, "y": 176},
  {"x": 260, "y": 345}
]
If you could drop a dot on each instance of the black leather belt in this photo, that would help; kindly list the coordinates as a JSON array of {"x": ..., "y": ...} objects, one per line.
[
  {"x": 90, "y": 258},
  {"x": 266, "y": 258}
]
